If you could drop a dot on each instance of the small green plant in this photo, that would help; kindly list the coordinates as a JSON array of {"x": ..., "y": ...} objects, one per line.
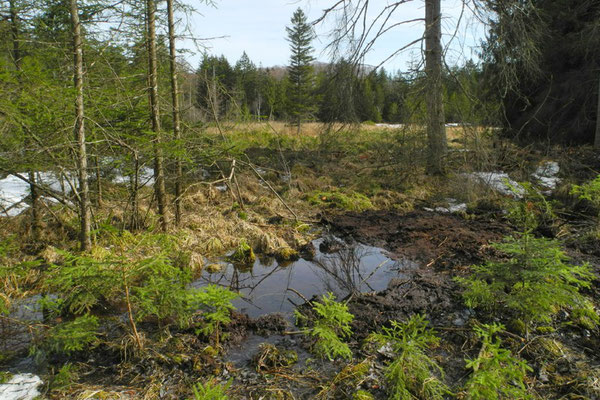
[
  {"x": 214, "y": 302},
  {"x": 413, "y": 374},
  {"x": 331, "y": 325},
  {"x": 533, "y": 281},
  {"x": 65, "y": 377},
  {"x": 497, "y": 374},
  {"x": 210, "y": 390},
  {"x": 72, "y": 336}
]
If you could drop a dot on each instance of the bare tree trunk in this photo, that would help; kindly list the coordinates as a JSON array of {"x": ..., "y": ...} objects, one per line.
[
  {"x": 436, "y": 129},
  {"x": 35, "y": 209},
  {"x": 159, "y": 174},
  {"x": 84, "y": 199},
  {"x": 176, "y": 112},
  {"x": 597, "y": 137}
]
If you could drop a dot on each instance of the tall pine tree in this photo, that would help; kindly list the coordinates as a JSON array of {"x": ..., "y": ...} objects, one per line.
[{"x": 301, "y": 102}]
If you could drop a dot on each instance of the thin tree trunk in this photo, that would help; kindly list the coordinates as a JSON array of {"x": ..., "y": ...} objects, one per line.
[
  {"x": 98, "y": 181},
  {"x": 436, "y": 129},
  {"x": 176, "y": 112},
  {"x": 35, "y": 210},
  {"x": 597, "y": 137},
  {"x": 84, "y": 199},
  {"x": 159, "y": 174}
]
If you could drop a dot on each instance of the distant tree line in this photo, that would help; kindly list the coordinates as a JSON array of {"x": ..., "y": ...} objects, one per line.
[{"x": 341, "y": 92}]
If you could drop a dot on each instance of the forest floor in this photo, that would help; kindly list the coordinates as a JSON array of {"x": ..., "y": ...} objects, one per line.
[{"x": 336, "y": 191}]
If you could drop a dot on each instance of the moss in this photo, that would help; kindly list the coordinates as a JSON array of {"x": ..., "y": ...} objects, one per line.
[
  {"x": 545, "y": 329},
  {"x": 517, "y": 326},
  {"x": 243, "y": 254},
  {"x": 351, "y": 201},
  {"x": 213, "y": 268},
  {"x": 585, "y": 315},
  {"x": 5, "y": 377},
  {"x": 286, "y": 254},
  {"x": 551, "y": 347},
  {"x": 362, "y": 395}
]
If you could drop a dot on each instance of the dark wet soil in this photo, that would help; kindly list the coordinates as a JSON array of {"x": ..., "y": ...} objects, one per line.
[{"x": 436, "y": 240}]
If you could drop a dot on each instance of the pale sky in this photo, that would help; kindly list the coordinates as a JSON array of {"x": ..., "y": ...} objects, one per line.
[{"x": 258, "y": 27}]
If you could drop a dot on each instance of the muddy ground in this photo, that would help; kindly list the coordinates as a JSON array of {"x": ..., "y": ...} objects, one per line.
[{"x": 564, "y": 362}]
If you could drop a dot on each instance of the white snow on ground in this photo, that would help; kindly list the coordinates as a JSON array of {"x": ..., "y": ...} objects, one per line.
[
  {"x": 499, "y": 181},
  {"x": 21, "y": 387},
  {"x": 547, "y": 174},
  {"x": 14, "y": 190},
  {"x": 453, "y": 207}
]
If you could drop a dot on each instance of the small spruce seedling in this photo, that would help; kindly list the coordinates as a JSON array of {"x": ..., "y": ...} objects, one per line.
[
  {"x": 331, "y": 326},
  {"x": 533, "y": 281},
  {"x": 412, "y": 374},
  {"x": 497, "y": 374}
]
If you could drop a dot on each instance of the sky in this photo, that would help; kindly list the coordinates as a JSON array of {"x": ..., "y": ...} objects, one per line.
[{"x": 258, "y": 28}]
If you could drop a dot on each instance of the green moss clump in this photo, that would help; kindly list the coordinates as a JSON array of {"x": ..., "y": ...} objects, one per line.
[
  {"x": 286, "y": 254},
  {"x": 362, "y": 395},
  {"x": 213, "y": 268},
  {"x": 243, "y": 254},
  {"x": 350, "y": 201},
  {"x": 5, "y": 377}
]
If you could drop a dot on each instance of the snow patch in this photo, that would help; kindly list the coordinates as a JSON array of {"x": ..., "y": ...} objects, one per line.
[
  {"x": 21, "y": 387},
  {"x": 547, "y": 174},
  {"x": 499, "y": 181}
]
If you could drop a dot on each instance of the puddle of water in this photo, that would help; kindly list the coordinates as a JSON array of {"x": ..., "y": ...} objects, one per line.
[{"x": 266, "y": 287}]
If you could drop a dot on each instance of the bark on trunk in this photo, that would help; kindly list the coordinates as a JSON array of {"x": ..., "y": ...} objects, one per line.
[
  {"x": 159, "y": 175},
  {"x": 436, "y": 129},
  {"x": 79, "y": 131},
  {"x": 36, "y": 222},
  {"x": 176, "y": 112},
  {"x": 597, "y": 137}
]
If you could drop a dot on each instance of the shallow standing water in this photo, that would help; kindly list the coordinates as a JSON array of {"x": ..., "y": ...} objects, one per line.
[{"x": 268, "y": 286}]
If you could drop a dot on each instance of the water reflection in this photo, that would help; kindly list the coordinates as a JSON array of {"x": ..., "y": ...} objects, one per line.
[{"x": 269, "y": 287}]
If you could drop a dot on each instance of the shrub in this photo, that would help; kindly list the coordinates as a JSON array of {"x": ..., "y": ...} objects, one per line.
[
  {"x": 496, "y": 373},
  {"x": 533, "y": 281},
  {"x": 331, "y": 325},
  {"x": 413, "y": 373}
]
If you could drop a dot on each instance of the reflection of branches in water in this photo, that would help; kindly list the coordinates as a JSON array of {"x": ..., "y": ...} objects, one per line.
[
  {"x": 344, "y": 270},
  {"x": 250, "y": 282}
]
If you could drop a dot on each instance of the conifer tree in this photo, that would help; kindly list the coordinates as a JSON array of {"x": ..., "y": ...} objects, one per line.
[{"x": 300, "y": 71}]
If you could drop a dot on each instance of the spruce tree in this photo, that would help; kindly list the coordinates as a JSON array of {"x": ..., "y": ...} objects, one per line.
[{"x": 301, "y": 102}]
